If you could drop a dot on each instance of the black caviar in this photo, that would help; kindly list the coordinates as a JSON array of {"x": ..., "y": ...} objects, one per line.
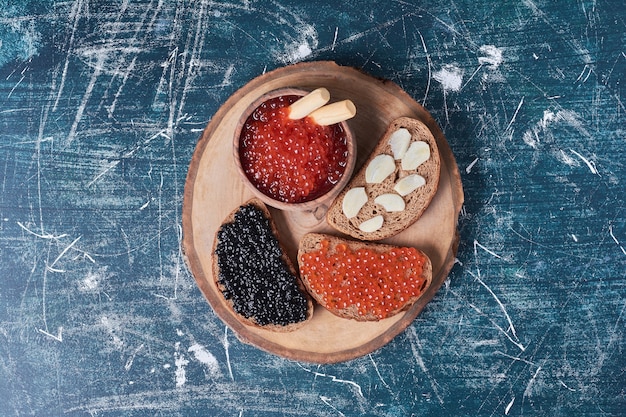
[{"x": 252, "y": 274}]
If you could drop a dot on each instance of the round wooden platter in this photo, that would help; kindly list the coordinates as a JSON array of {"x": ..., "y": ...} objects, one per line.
[{"x": 213, "y": 189}]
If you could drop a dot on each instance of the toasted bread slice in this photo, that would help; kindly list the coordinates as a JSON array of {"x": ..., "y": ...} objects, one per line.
[
  {"x": 363, "y": 281},
  {"x": 363, "y": 216},
  {"x": 252, "y": 271}
]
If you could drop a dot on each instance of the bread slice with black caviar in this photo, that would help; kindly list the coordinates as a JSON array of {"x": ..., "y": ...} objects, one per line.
[
  {"x": 349, "y": 278},
  {"x": 254, "y": 274},
  {"x": 373, "y": 220}
]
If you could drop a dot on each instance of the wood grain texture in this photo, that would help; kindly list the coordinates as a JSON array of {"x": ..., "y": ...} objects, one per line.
[{"x": 213, "y": 176}]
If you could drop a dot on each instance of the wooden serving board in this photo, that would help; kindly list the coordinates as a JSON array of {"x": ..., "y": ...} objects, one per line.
[{"x": 213, "y": 189}]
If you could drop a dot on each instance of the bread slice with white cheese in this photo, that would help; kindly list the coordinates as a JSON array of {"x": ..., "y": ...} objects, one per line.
[{"x": 394, "y": 186}]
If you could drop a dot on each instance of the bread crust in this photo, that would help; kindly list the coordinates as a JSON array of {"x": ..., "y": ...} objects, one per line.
[
  {"x": 416, "y": 202},
  {"x": 312, "y": 242},
  {"x": 286, "y": 261}
]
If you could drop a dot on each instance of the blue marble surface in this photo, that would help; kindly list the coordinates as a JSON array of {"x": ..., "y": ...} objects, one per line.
[{"x": 102, "y": 103}]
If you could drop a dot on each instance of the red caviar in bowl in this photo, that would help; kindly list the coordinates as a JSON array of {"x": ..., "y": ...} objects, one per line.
[
  {"x": 377, "y": 283},
  {"x": 292, "y": 161}
]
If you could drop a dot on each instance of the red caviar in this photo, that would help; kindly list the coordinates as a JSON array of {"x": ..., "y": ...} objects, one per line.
[
  {"x": 377, "y": 283},
  {"x": 292, "y": 161}
]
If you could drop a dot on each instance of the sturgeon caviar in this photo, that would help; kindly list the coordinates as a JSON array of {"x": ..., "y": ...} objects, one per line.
[
  {"x": 364, "y": 283},
  {"x": 292, "y": 161},
  {"x": 252, "y": 274}
]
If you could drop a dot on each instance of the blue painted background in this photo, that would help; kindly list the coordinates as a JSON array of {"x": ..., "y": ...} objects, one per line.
[{"x": 102, "y": 103}]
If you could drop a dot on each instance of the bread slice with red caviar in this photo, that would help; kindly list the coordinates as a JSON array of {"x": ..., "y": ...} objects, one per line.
[
  {"x": 394, "y": 186},
  {"x": 363, "y": 281},
  {"x": 253, "y": 273}
]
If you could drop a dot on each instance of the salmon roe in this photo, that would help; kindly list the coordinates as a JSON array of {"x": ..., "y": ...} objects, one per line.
[
  {"x": 375, "y": 283},
  {"x": 292, "y": 161}
]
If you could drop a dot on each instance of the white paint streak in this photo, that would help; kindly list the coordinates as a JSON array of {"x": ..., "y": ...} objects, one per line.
[
  {"x": 486, "y": 342},
  {"x": 566, "y": 159},
  {"x": 228, "y": 75},
  {"x": 532, "y": 136},
  {"x": 63, "y": 252},
  {"x": 131, "y": 359},
  {"x": 515, "y": 358},
  {"x": 326, "y": 401},
  {"x": 580, "y": 51},
  {"x": 111, "y": 165},
  {"x": 180, "y": 361},
  {"x": 506, "y": 314},
  {"x": 528, "y": 390},
  {"x": 75, "y": 15},
  {"x": 129, "y": 70},
  {"x": 470, "y": 166},
  {"x": 90, "y": 283},
  {"x": 496, "y": 325},
  {"x": 205, "y": 357},
  {"x": 531, "y": 139},
  {"x": 490, "y": 252},
  {"x": 83, "y": 104},
  {"x": 590, "y": 164},
  {"x": 586, "y": 69},
  {"x": 615, "y": 240},
  {"x": 113, "y": 328},
  {"x": 41, "y": 235},
  {"x": 548, "y": 117},
  {"x": 492, "y": 56},
  {"x": 332, "y": 48},
  {"x": 335, "y": 379},
  {"x": 572, "y": 119},
  {"x": 508, "y": 407},
  {"x": 378, "y": 373},
  {"x": 450, "y": 77},
  {"x": 415, "y": 349},
  {"x": 303, "y": 51},
  {"x": 302, "y": 48},
  {"x": 471, "y": 77},
  {"x": 430, "y": 67},
  {"x": 519, "y": 106},
  {"x": 227, "y": 352},
  {"x": 15, "y": 86},
  {"x": 58, "y": 337}
]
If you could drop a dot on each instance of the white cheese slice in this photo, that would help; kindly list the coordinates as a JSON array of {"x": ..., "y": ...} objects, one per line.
[
  {"x": 408, "y": 184},
  {"x": 379, "y": 168},
  {"x": 391, "y": 202},
  {"x": 416, "y": 155},
  {"x": 353, "y": 200},
  {"x": 399, "y": 142},
  {"x": 372, "y": 225}
]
